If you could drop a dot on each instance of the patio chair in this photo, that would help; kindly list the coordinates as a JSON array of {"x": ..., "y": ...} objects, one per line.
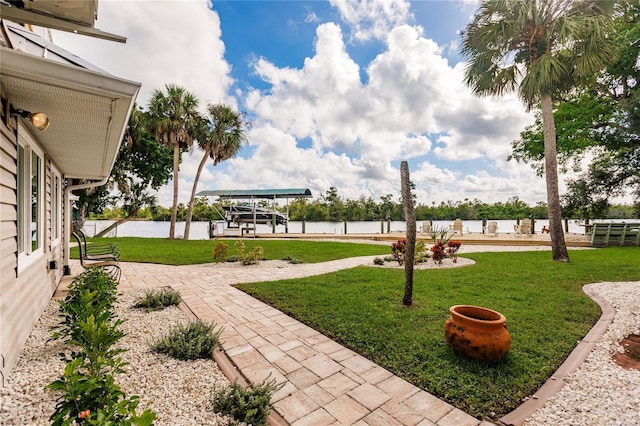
[
  {"x": 112, "y": 266},
  {"x": 523, "y": 228},
  {"x": 456, "y": 226},
  {"x": 96, "y": 251},
  {"x": 492, "y": 228}
]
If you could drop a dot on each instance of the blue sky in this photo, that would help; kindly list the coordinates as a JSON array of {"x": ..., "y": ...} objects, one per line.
[{"x": 338, "y": 93}]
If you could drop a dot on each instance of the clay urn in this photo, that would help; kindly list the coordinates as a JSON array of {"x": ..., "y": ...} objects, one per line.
[{"x": 477, "y": 333}]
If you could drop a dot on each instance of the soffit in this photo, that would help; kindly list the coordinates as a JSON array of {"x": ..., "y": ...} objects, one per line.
[{"x": 88, "y": 110}]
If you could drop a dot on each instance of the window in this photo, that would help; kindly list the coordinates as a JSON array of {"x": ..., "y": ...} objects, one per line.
[
  {"x": 55, "y": 206},
  {"x": 30, "y": 197}
]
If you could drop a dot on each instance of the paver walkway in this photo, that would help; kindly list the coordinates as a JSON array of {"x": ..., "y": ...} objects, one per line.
[{"x": 324, "y": 382}]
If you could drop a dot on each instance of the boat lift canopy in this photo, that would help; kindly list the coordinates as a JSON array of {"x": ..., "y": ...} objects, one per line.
[{"x": 269, "y": 194}]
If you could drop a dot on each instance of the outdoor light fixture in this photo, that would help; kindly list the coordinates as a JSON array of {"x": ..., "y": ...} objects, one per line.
[{"x": 39, "y": 119}]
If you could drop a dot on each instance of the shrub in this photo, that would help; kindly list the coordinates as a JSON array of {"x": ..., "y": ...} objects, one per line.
[
  {"x": 250, "y": 258},
  {"x": 87, "y": 389},
  {"x": 378, "y": 261},
  {"x": 388, "y": 259},
  {"x": 232, "y": 259},
  {"x": 155, "y": 300},
  {"x": 191, "y": 341},
  {"x": 398, "y": 251},
  {"x": 292, "y": 260},
  {"x": 220, "y": 252},
  {"x": 249, "y": 406}
]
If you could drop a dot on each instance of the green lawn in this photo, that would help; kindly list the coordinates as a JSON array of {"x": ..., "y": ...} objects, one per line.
[
  {"x": 547, "y": 313},
  {"x": 192, "y": 252}
]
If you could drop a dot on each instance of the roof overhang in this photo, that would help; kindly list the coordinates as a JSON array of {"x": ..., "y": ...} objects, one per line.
[
  {"x": 66, "y": 15},
  {"x": 258, "y": 193},
  {"x": 88, "y": 110}
]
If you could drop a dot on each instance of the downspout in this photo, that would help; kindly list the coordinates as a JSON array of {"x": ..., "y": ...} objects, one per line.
[{"x": 67, "y": 217}]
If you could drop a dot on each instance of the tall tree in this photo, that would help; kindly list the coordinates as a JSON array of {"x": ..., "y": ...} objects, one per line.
[
  {"x": 540, "y": 48},
  {"x": 598, "y": 124},
  {"x": 173, "y": 118},
  {"x": 220, "y": 135}
]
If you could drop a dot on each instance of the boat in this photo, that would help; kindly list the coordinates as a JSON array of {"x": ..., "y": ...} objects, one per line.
[{"x": 239, "y": 214}]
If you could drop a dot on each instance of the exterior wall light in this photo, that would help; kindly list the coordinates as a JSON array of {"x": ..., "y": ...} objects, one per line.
[{"x": 39, "y": 119}]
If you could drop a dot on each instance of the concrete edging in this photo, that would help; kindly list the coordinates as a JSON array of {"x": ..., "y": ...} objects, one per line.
[{"x": 536, "y": 401}]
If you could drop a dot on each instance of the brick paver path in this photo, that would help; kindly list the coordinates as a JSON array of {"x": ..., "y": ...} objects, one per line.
[{"x": 324, "y": 382}]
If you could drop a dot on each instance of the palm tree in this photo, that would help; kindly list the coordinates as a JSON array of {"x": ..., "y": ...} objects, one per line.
[
  {"x": 220, "y": 136},
  {"x": 539, "y": 48},
  {"x": 173, "y": 116}
]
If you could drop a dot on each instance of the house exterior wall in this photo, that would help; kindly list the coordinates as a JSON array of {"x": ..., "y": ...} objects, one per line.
[{"x": 26, "y": 284}]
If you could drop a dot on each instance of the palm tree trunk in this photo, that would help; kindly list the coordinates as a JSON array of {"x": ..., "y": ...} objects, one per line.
[
  {"x": 558, "y": 245},
  {"x": 187, "y": 225},
  {"x": 174, "y": 207},
  {"x": 410, "y": 247}
]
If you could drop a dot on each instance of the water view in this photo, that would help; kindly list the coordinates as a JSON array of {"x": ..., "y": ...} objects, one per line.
[{"x": 200, "y": 230}]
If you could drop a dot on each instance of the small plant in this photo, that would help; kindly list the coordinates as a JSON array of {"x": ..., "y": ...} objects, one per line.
[
  {"x": 398, "y": 251},
  {"x": 438, "y": 252},
  {"x": 232, "y": 259},
  {"x": 388, "y": 259},
  {"x": 420, "y": 252},
  {"x": 250, "y": 258},
  {"x": 155, "y": 300},
  {"x": 292, "y": 260},
  {"x": 191, "y": 341},
  {"x": 253, "y": 257},
  {"x": 220, "y": 252},
  {"x": 378, "y": 261},
  {"x": 452, "y": 249},
  {"x": 87, "y": 391},
  {"x": 249, "y": 406}
]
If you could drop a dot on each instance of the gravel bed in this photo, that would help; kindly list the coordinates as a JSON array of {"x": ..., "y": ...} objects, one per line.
[
  {"x": 178, "y": 391},
  {"x": 600, "y": 392}
]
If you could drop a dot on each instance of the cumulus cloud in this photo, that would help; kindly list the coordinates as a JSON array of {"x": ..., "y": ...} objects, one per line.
[
  {"x": 372, "y": 19},
  {"x": 163, "y": 38},
  {"x": 331, "y": 121}
]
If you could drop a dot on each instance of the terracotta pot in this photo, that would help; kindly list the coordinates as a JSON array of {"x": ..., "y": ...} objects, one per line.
[{"x": 477, "y": 333}]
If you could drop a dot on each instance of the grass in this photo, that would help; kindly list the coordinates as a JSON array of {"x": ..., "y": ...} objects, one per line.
[
  {"x": 192, "y": 252},
  {"x": 547, "y": 314}
]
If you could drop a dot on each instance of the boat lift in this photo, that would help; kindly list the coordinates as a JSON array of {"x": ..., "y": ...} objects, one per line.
[{"x": 249, "y": 215}]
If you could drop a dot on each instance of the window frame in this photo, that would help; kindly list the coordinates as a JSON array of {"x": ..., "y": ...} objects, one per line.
[{"x": 27, "y": 253}]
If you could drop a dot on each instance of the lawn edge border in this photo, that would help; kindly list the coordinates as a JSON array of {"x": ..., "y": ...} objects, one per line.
[{"x": 518, "y": 416}]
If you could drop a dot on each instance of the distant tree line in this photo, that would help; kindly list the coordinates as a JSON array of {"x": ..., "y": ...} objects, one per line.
[{"x": 330, "y": 207}]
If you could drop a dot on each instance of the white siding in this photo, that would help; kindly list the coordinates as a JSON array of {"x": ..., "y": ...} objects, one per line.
[{"x": 23, "y": 295}]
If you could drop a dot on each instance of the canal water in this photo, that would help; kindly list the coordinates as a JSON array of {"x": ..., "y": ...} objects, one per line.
[{"x": 200, "y": 230}]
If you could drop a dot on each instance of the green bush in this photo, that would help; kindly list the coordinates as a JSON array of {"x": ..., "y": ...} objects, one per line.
[
  {"x": 87, "y": 391},
  {"x": 220, "y": 252},
  {"x": 155, "y": 300},
  {"x": 249, "y": 406},
  {"x": 232, "y": 259},
  {"x": 250, "y": 258},
  {"x": 191, "y": 341},
  {"x": 378, "y": 261},
  {"x": 292, "y": 260}
]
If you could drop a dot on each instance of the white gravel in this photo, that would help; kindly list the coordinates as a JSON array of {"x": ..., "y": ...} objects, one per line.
[
  {"x": 178, "y": 391},
  {"x": 600, "y": 392}
]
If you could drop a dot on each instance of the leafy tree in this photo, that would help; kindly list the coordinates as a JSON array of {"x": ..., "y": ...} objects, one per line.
[
  {"x": 141, "y": 163},
  {"x": 173, "y": 116},
  {"x": 541, "y": 48},
  {"x": 220, "y": 136},
  {"x": 602, "y": 120}
]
